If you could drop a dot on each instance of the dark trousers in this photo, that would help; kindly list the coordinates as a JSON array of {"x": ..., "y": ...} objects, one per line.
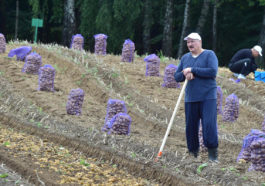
[
  {"x": 242, "y": 66},
  {"x": 207, "y": 112}
]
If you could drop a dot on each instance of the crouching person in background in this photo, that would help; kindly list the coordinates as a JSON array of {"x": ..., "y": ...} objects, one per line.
[{"x": 243, "y": 62}]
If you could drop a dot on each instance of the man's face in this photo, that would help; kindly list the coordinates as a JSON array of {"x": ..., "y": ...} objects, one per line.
[
  {"x": 194, "y": 45},
  {"x": 255, "y": 53}
]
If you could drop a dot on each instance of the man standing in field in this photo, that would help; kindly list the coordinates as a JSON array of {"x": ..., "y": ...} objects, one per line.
[{"x": 200, "y": 67}]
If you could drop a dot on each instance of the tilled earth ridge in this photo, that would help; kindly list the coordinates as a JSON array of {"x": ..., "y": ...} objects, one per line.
[
  {"x": 13, "y": 103},
  {"x": 170, "y": 159},
  {"x": 152, "y": 127},
  {"x": 126, "y": 145},
  {"x": 59, "y": 165},
  {"x": 99, "y": 153},
  {"x": 11, "y": 178}
]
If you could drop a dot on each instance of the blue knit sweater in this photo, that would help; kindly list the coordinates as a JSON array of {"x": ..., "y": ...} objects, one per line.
[{"x": 204, "y": 68}]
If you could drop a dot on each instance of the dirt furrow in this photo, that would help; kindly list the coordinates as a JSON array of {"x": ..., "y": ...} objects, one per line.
[{"x": 56, "y": 159}]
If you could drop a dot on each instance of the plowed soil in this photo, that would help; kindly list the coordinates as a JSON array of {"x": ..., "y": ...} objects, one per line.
[{"x": 40, "y": 118}]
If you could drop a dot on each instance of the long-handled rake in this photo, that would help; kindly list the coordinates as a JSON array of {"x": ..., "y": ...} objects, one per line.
[{"x": 171, "y": 121}]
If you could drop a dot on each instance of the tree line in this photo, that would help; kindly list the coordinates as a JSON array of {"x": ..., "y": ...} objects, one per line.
[{"x": 155, "y": 26}]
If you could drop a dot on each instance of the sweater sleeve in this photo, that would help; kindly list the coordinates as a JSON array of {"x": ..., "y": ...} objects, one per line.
[
  {"x": 211, "y": 68},
  {"x": 179, "y": 77}
]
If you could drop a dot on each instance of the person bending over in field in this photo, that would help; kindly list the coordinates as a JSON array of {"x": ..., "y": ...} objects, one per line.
[{"x": 243, "y": 62}]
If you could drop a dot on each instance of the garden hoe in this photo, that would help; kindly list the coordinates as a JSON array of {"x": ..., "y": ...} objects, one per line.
[{"x": 171, "y": 121}]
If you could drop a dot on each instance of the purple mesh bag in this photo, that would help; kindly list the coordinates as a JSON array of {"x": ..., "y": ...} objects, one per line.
[
  {"x": 231, "y": 108},
  {"x": 77, "y": 42},
  {"x": 245, "y": 152},
  {"x": 32, "y": 63},
  {"x": 120, "y": 124},
  {"x": 100, "y": 44},
  {"x": 152, "y": 65},
  {"x": 20, "y": 52},
  {"x": 258, "y": 167},
  {"x": 169, "y": 79},
  {"x": 46, "y": 78},
  {"x": 235, "y": 80},
  {"x": 114, "y": 107},
  {"x": 257, "y": 156},
  {"x": 219, "y": 100},
  {"x": 202, "y": 146},
  {"x": 263, "y": 125},
  {"x": 75, "y": 102},
  {"x": 2, "y": 43},
  {"x": 128, "y": 51}
]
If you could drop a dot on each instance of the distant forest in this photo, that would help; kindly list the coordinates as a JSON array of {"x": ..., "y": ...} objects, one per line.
[{"x": 155, "y": 26}]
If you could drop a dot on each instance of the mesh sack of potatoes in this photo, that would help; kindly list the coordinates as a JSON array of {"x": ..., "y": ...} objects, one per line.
[
  {"x": 152, "y": 65},
  {"x": 114, "y": 107},
  {"x": 2, "y": 43},
  {"x": 231, "y": 108},
  {"x": 263, "y": 125},
  {"x": 169, "y": 79},
  {"x": 245, "y": 152},
  {"x": 257, "y": 156},
  {"x": 77, "y": 42},
  {"x": 75, "y": 102},
  {"x": 202, "y": 146},
  {"x": 20, "y": 52},
  {"x": 100, "y": 44},
  {"x": 128, "y": 51},
  {"x": 120, "y": 124},
  {"x": 219, "y": 100},
  {"x": 46, "y": 78},
  {"x": 32, "y": 63}
]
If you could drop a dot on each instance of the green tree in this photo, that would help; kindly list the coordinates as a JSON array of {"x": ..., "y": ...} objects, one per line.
[
  {"x": 35, "y": 4},
  {"x": 261, "y": 61},
  {"x": 89, "y": 10},
  {"x": 69, "y": 24},
  {"x": 203, "y": 16},
  {"x": 167, "y": 33},
  {"x": 147, "y": 23},
  {"x": 54, "y": 21},
  {"x": 117, "y": 19},
  {"x": 238, "y": 27},
  {"x": 3, "y": 16},
  {"x": 184, "y": 28}
]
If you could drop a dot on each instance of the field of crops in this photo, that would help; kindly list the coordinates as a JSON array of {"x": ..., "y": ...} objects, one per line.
[{"x": 45, "y": 145}]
